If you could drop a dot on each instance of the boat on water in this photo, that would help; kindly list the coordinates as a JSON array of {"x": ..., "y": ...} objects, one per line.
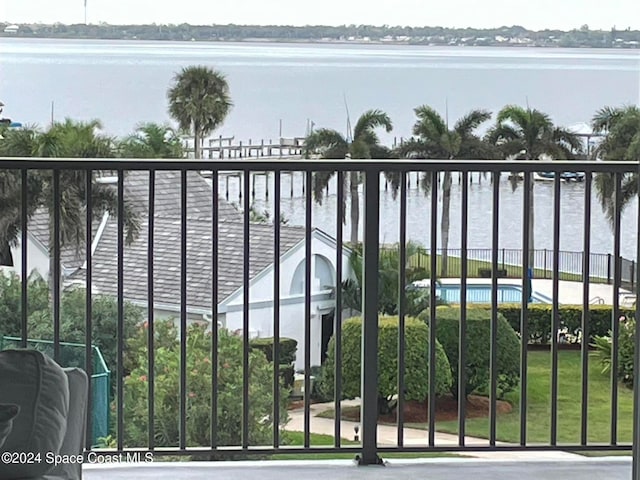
[{"x": 565, "y": 176}]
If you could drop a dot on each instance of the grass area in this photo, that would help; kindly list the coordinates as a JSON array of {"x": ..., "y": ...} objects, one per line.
[
  {"x": 473, "y": 267},
  {"x": 539, "y": 406},
  {"x": 569, "y": 405},
  {"x": 317, "y": 440}
]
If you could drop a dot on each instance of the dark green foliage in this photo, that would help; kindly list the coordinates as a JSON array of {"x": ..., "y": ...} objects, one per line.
[
  {"x": 539, "y": 319},
  {"x": 416, "y": 374},
  {"x": 72, "y": 316},
  {"x": 417, "y": 299},
  {"x": 199, "y": 368},
  {"x": 199, "y": 100},
  {"x": 11, "y": 305},
  {"x": 478, "y": 339},
  {"x": 626, "y": 337},
  {"x": 286, "y": 374},
  {"x": 288, "y": 347},
  {"x": 104, "y": 317}
]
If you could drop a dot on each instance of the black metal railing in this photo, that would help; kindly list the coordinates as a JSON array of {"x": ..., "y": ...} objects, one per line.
[
  {"x": 510, "y": 260},
  {"x": 245, "y": 259}
]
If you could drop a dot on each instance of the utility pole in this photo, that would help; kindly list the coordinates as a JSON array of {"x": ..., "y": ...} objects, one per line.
[{"x": 85, "y": 12}]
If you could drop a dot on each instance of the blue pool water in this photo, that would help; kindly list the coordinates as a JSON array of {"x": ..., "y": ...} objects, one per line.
[{"x": 482, "y": 294}]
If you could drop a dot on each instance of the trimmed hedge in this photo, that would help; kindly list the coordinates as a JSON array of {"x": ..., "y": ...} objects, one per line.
[
  {"x": 288, "y": 347},
  {"x": 416, "y": 375},
  {"x": 539, "y": 320},
  {"x": 478, "y": 335}
]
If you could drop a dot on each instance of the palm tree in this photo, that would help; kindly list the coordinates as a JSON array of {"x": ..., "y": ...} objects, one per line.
[
  {"x": 621, "y": 127},
  {"x": 199, "y": 101},
  {"x": 532, "y": 134},
  {"x": 152, "y": 140},
  {"x": 435, "y": 140},
  {"x": 364, "y": 144},
  {"x": 67, "y": 139}
]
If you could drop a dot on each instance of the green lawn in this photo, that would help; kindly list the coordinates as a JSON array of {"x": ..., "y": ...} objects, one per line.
[
  {"x": 473, "y": 266},
  {"x": 569, "y": 407}
]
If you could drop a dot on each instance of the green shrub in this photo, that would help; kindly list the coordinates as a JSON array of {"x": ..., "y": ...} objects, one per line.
[
  {"x": 478, "y": 338},
  {"x": 416, "y": 375},
  {"x": 539, "y": 319},
  {"x": 11, "y": 303},
  {"x": 104, "y": 317},
  {"x": 603, "y": 346},
  {"x": 72, "y": 317},
  {"x": 288, "y": 347},
  {"x": 229, "y": 383},
  {"x": 287, "y": 374}
]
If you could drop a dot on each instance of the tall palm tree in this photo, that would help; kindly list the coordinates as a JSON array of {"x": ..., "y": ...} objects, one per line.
[
  {"x": 435, "y": 140},
  {"x": 531, "y": 133},
  {"x": 199, "y": 101},
  {"x": 621, "y": 127},
  {"x": 151, "y": 140},
  {"x": 67, "y": 139},
  {"x": 363, "y": 144}
]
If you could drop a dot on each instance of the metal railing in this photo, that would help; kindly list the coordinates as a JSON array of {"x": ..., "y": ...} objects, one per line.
[
  {"x": 510, "y": 261},
  {"x": 369, "y": 448}
]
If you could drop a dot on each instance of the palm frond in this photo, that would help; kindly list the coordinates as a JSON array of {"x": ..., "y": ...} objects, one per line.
[
  {"x": 466, "y": 125},
  {"x": 368, "y": 122},
  {"x": 326, "y": 140},
  {"x": 430, "y": 124}
]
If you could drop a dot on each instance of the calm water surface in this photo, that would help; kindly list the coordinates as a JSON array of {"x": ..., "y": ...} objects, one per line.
[{"x": 123, "y": 83}]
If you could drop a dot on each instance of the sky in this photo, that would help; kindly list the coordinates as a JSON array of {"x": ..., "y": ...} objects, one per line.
[{"x": 531, "y": 14}]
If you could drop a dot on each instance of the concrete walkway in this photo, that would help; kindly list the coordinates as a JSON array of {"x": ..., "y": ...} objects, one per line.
[{"x": 388, "y": 435}]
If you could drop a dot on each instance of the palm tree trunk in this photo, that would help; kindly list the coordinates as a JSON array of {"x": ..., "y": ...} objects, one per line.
[
  {"x": 355, "y": 206},
  {"x": 196, "y": 141},
  {"x": 444, "y": 225}
]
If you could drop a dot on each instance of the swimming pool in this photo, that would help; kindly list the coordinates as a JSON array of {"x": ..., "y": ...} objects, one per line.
[{"x": 450, "y": 293}]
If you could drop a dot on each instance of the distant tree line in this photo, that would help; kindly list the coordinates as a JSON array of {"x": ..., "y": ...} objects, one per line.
[{"x": 506, "y": 35}]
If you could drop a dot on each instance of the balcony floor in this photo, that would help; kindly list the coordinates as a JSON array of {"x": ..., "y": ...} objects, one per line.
[{"x": 612, "y": 468}]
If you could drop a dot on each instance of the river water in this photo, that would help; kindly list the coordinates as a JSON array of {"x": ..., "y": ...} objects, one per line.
[{"x": 279, "y": 88}]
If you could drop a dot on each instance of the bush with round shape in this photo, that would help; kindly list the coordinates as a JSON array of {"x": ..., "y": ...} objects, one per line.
[
  {"x": 416, "y": 374},
  {"x": 478, "y": 351}
]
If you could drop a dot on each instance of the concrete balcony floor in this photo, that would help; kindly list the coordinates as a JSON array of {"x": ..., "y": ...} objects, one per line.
[{"x": 609, "y": 468}]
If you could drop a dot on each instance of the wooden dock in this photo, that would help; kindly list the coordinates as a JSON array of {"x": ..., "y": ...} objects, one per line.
[{"x": 223, "y": 148}]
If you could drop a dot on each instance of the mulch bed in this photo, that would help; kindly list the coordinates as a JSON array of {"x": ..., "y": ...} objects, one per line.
[{"x": 446, "y": 410}]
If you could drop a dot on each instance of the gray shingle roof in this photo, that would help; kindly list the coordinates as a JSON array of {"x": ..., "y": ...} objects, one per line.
[
  {"x": 167, "y": 195},
  {"x": 167, "y": 250},
  {"x": 167, "y": 204},
  {"x": 166, "y": 265}
]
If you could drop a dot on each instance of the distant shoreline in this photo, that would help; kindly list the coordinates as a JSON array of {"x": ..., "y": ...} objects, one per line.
[
  {"x": 314, "y": 42},
  {"x": 505, "y": 36}
]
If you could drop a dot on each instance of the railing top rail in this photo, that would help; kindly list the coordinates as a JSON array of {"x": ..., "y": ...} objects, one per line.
[{"x": 380, "y": 165}]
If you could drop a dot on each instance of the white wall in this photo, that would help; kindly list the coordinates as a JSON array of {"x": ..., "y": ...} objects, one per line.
[
  {"x": 37, "y": 258},
  {"x": 292, "y": 309},
  {"x": 292, "y": 325}
]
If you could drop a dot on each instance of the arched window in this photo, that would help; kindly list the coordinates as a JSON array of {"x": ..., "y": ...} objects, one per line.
[{"x": 322, "y": 273}]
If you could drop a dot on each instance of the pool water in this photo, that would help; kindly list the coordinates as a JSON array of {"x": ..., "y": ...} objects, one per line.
[{"x": 482, "y": 294}]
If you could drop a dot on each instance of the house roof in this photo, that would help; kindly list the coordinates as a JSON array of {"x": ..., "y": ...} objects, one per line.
[
  {"x": 136, "y": 192},
  {"x": 167, "y": 244},
  {"x": 167, "y": 258}
]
